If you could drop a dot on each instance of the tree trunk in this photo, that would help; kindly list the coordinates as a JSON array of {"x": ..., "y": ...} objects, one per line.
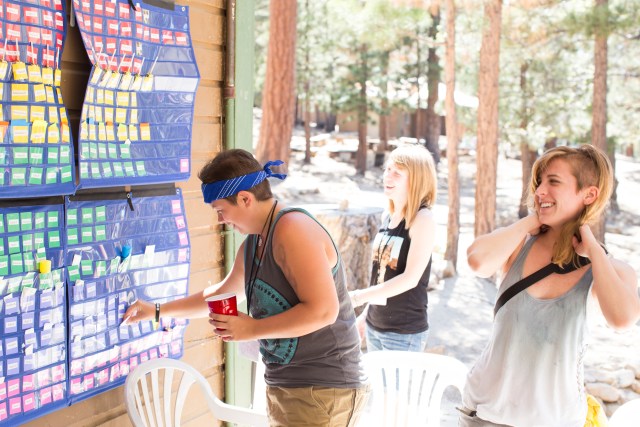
[
  {"x": 527, "y": 155},
  {"x": 453, "y": 220},
  {"x": 418, "y": 121},
  {"x": 279, "y": 86},
  {"x": 361, "y": 154},
  {"x": 433, "y": 79},
  {"x": 599, "y": 119},
  {"x": 487, "y": 149},
  {"x": 383, "y": 125}
]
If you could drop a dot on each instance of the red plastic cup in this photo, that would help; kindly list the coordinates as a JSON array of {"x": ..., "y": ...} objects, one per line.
[{"x": 223, "y": 304}]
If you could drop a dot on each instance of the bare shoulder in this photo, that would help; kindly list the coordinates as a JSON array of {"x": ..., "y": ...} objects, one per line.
[{"x": 297, "y": 225}]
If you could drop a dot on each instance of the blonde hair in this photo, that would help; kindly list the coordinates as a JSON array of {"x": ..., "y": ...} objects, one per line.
[
  {"x": 591, "y": 167},
  {"x": 422, "y": 185}
]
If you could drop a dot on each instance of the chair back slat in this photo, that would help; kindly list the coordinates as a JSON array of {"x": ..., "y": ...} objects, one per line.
[
  {"x": 156, "y": 398},
  {"x": 168, "y": 385},
  {"x": 146, "y": 401}
]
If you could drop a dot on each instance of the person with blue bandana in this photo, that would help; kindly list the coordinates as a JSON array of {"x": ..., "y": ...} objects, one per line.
[{"x": 293, "y": 278}]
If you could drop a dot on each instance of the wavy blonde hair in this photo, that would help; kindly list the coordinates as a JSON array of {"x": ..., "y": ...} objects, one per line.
[
  {"x": 591, "y": 167},
  {"x": 423, "y": 185}
]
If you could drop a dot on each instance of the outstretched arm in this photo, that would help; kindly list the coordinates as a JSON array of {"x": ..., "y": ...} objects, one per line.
[
  {"x": 490, "y": 252},
  {"x": 615, "y": 283},
  {"x": 192, "y": 306}
]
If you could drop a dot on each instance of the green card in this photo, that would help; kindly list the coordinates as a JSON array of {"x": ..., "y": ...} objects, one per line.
[
  {"x": 128, "y": 169},
  {"x": 64, "y": 154},
  {"x": 113, "y": 265},
  {"x": 13, "y": 244},
  {"x": 52, "y": 155},
  {"x": 35, "y": 176},
  {"x": 95, "y": 170},
  {"x": 125, "y": 151},
  {"x": 87, "y": 215},
  {"x": 20, "y": 155},
  {"x": 51, "y": 176},
  {"x": 101, "y": 268},
  {"x": 72, "y": 216},
  {"x": 93, "y": 150},
  {"x": 84, "y": 151},
  {"x": 84, "y": 169},
  {"x": 65, "y": 174},
  {"x": 113, "y": 151},
  {"x": 27, "y": 242},
  {"x": 86, "y": 234},
  {"x": 72, "y": 236},
  {"x": 29, "y": 262},
  {"x": 102, "y": 151},
  {"x": 86, "y": 267},
  {"x": 1, "y": 223},
  {"x": 106, "y": 170},
  {"x": 140, "y": 168},
  {"x": 101, "y": 213},
  {"x": 54, "y": 239},
  {"x": 2, "y": 248},
  {"x": 39, "y": 221},
  {"x": 74, "y": 272},
  {"x": 4, "y": 265},
  {"x": 52, "y": 219},
  {"x": 26, "y": 221},
  {"x": 101, "y": 233},
  {"x": 16, "y": 265},
  {"x": 38, "y": 240},
  {"x": 13, "y": 222},
  {"x": 35, "y": 155},
  {"x": 3, "y": 156},
  {"x": 117, "y": 170},
  {"x": 18, "y": 176}
]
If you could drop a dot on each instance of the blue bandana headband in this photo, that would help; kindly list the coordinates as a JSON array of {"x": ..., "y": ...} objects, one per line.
[{"x": 228, "y": 187}]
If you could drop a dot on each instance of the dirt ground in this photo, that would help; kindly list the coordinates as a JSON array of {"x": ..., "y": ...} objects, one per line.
[{"x": 460, "y": 308}]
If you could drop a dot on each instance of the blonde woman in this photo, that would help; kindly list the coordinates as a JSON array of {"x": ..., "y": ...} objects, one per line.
[
  {"x": 531, "y": 372},
  {"x": 396, "y": 315}
]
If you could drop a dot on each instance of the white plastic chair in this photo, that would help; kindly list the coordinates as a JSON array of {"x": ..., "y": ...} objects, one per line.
[
  {"x": 627, "y": 415},
  {"x": 163, "y": 408},
  {"x": 407, "y": 387}
]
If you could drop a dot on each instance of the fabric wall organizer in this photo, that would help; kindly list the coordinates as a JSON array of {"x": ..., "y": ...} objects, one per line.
[
  {"x": 151, "y": 230},
  {"x": 36, "y": 151},
  {"x": 33, "y": 320},
  {"x": 137, "y": 117}
]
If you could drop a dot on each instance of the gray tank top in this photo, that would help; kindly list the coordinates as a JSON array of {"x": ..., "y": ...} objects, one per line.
[
  {"x": 328, "y": 357},
  {"x": 531, "y": 371}
]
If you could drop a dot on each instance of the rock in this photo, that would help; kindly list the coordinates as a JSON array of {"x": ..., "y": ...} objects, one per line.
[
  {"x": 628, "y": 395},
  {"x": 605, "y": 392},
  {"x": 449, "y": 270},
  {"x": 636, "y": 386},
  {"x": 599, "y": 376},
  {"x": 624, "y": 378},
  {"x": 610, "y": 409},
  {"x": 635, "y": 367}
]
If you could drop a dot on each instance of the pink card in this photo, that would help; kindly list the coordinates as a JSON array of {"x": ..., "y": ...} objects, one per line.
[
  {"x": 175, "y": 207},
  {"x": 103, "y": 376},
  {"x": 184, "y": 241},
  {"x": 180, "y": 222},
  {"x": 57, "y": 373},
  {"x": 58, "y": 392},
  {"x": 184, "y": 163},
  {"x": 27, "y": 382},
  {"x": 87, "y": 382},
  {"x": 29, "y": 402},
  {"x": 182, "y": 254},
  {"x": 15, "y": 406},
  {"x": 13, "y": 387},
  {"x": 45, "y": 396},
  {"x": 76, "y": 386},
  {"x": 3, "y": 411}
]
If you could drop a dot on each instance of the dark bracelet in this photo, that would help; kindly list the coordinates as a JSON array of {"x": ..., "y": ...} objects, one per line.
[{"x": 157, "y": 312}]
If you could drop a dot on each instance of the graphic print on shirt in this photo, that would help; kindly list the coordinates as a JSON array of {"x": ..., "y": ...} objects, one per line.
[
  {"x": 387, "y": 253},
  {"x": 269, "y": 302}
]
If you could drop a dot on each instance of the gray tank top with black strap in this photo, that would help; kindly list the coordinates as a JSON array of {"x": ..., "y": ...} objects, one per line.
[
  {"x": 328, "y": 357},
  {"x": 531, "y": 371}
]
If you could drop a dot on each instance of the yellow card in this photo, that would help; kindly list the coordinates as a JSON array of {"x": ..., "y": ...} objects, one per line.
[
  {"x": 50, "y": 98},
  {"x": 145, "y": 132},
  {"x": 47, "y": 76},
  {"x": 110, "y": 132},
  {"x": 137, "y": 83},
  {"x": 104, "y": 78},
  {"x": 53, "y": 135},
  {"x": 59, "y": 95},
  {"x": 133, "y": 132},
  {"x": 133, "y": 115},
  {"x": 125, "y": 81},
  {"x": 53, "y": 114},
  {"x": 57, "y": 77},
  {"x": 122, "y": 99},
  {"x": 114, "y": 80},
  {"x": 91, "y": 93},
  {"x": 122, "y": 132},
  {"x": 19, "y": 92},
  {"x": 108, "y": 114},
  {"x": 147, "y": 83},
  {"x": 35, "y": 73},
  {"x": 65, "y": 134},
  {"x": 19, "y": 71},
  {"x": 84, "y": 131},
  {"x": 121, "y": 115},
  {"x": 38, "y": 112},
  {"x": 38, "y": 131},
  {"x": 4, "y": 67},
  {"x": 96, "y": 76},
  {"x": 89, "y": 112},
  {"x": 19, "y": 112},
  {"x": 20, "y": 134},
  {"x": 100, "y": 96},
  {"x": 92, "y": 132},
  {"x": 102, "y": 132},
  {"x": 134, "y": 99},
  {"x": 63, "y": 115},
  {"x": 39, "y": 93},
  {"x": 99, "y": 115},
  {"x": 108, "y": 97}
]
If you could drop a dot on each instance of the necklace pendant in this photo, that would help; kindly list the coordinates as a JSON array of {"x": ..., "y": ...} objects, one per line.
[{"x": 259, "y": 241}]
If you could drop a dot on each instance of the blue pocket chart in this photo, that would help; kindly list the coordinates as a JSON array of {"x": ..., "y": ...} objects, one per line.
[
  {"x": 137, "y": 116},
  {"x": 36, "y": 150},
  {"x": 33, "y": 319},
  {"x": 102, "y": 282}
]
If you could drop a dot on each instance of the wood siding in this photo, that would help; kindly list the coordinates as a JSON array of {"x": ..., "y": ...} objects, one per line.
[{"x": 207, "y": 18}]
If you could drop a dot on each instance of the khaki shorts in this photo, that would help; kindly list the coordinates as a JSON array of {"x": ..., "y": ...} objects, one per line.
[{"x": 315, "y": 406}]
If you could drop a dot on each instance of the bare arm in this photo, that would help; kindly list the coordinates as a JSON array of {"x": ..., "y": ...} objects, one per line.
[
  {"x": 422, "y": 235},
  {"x": 192, "y": 306},
  {"x": 615, "y": 284},
  {"x": 490, "y": 252},
  {"x": 305, "y": 253}
]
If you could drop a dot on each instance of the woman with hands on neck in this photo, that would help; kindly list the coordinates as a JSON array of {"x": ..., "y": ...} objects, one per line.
[
  {"x": 293, "y": 277},
  {"x": 531, "y": 372}
]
